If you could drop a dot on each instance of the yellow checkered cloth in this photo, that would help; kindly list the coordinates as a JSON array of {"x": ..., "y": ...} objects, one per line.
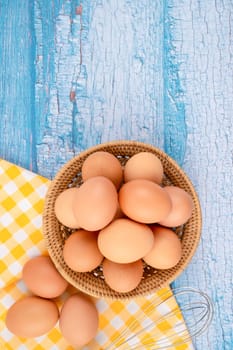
[{"x": 22, "y": 196}]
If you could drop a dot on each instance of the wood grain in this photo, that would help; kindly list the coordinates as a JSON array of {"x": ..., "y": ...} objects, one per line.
[
  {"x": 74, "y": 74},
  {"x": 203, "y": 41},
  {"x": 17, "y": 79},
  {"x": 102, "y": 84}
]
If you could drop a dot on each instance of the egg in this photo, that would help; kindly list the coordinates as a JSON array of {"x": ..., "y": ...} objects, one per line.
[
  {"x": 122, "y": 277},
  {"x": 32, "y": 317},
  {"x": 167, "y": 249},
  {"x": 79, "y": 320},
  {"x": 144, "y": 201},
  {"x": 81, "y": 252},
  {"x": 64, "y": 208},
  {"x": 144, "y": 165},
  {"x": 125, "y": 241},
  {"x": 95, "y": 203},
  {"x": 42, "y": 278},
  {"x": 182, "y": 206},
  {"x": 103, "y": 164}
]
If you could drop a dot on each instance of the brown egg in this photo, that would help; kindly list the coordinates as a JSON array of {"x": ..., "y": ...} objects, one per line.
[
  {"x": 103, "y": 164},
  {"x": 166, "y": 251},
  {"x": 79, "y": 320},
  {"x": 42, "y": 278},
  {"x": 144, "y": 201},
  {"x": 125, "y": 241},
  {"x": 182, "y": 206},
  {"x": 81, "y": 252},
  {"x": 32, "y": 317},
  {"x": 122, "y": 277},
  {"x": 144, "y": 165},
  {"x": 64, "y": 208},
  {"x": 95, "y": 203}
]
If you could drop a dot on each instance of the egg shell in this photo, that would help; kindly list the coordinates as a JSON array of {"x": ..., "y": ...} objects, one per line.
[
  {"x": 103, "y": 164},
  {"x": 42, "y": 278},
  {"x": 182, "y": 206},
  {"x": 32, "y": 317},
  {"x": 79, "y": 320},
  {"x": 81, "y": 252},
  {"x": 144, "y": 165},
  {"x": 125, "y": 241},
  {"x": 167, "y": 249},
  {"x": 95, "y": 203},
  {"x": 122, "y": 277},
  {"x": 64, "y": 208},
  {"x": 144, "y": 201}
]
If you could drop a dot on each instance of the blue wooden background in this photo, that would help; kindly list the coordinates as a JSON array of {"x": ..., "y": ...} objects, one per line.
[{"x": 74, "y": 74}]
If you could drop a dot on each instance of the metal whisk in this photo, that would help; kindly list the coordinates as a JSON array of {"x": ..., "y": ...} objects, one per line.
[{"x": 179, "y": 322}]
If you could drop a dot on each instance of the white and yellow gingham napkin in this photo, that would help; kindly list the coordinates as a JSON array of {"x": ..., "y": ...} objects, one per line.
[{"x": 22, "y": 196}]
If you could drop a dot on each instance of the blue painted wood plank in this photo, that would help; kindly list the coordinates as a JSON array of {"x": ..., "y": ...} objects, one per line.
[
  {"x": 106, "y": 81},
  {"x": 202, "y": 42},
  {"x": 17, "y": 79},
  {"x": 175, "y": 132}
]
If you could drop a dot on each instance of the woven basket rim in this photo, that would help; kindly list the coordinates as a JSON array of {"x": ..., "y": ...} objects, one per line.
[{"x": 84, "y": 286}]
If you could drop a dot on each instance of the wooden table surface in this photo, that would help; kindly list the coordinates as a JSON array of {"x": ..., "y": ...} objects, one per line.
[{"x": 74, "y": 74}]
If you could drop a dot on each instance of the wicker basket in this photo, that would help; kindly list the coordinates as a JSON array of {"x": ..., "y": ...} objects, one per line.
[{"x": 93, "y": 282}]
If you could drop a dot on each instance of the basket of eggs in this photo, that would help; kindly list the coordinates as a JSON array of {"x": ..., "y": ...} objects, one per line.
[{"x": 121, "y": 220}]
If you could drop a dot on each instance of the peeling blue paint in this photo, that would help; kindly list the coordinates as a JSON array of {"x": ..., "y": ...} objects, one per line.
[
  {"x": 32, "y": 72},
  {"x": 175, "y": 132},
  {"x": 44, "y": 59},
  {"x": 79, "y": 83}
]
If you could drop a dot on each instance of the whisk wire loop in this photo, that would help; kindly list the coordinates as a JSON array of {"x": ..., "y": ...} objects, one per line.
[{"x": 154, "y": 314}]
